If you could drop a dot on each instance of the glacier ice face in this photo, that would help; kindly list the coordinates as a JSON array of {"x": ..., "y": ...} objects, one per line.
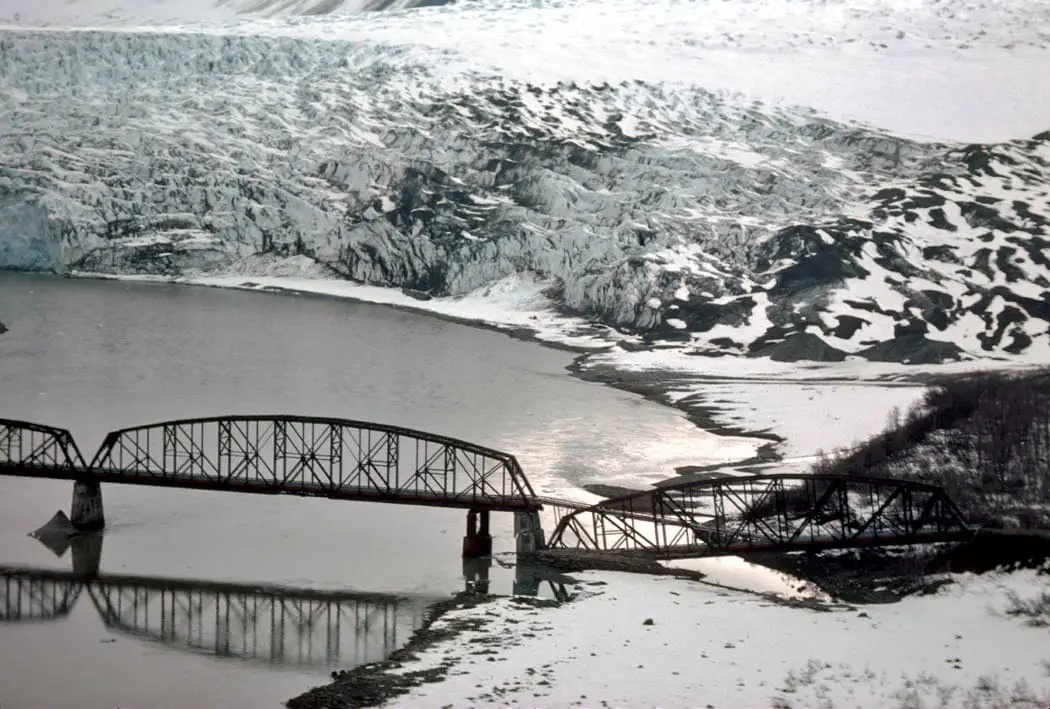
[
  {"x": 26, "y": 242},
  {"x": 96, "y": 13},
  {"x": 178, "y": 153}
]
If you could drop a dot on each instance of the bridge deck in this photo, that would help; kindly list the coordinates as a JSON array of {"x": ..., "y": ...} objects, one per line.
[
  {"x": 695, "y": 551},
  {"x": 262, "y": 487}
]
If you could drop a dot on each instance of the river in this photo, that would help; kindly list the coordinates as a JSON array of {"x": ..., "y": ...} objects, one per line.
[{"x": 93, "y": 356}]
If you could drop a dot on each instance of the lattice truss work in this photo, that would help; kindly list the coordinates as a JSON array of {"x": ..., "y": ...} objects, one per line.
[
  {"x": 26, "y": 598},
  {"x": 261, "y": 626},
  {"x": 780, "y": 512},
  {"x": 29, "y": 446},
  {"x": 315, "y": 456},
  {"x": 288, "y": 627}
]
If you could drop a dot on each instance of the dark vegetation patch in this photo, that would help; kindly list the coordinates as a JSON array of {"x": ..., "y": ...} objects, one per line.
[
  {"x": 888, "y": 574},
  {"x": 984, "y": 438},
  {"x": 996, "y": 548},
  {"x": 883, "y": 575},
  {"x": 799, "y": 345},
  {"x": 912, "y": 348}
]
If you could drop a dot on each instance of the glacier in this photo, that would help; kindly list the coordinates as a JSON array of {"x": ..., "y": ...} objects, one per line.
[{"x": 389, "y": 148}]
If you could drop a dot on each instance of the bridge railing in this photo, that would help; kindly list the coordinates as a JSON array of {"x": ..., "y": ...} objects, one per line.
[
  {"x": 315, "y": 456},
  {"x": 34, "y": 446}
]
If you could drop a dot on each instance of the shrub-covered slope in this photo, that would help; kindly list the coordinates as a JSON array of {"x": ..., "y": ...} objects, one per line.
[{"x": 984, "y": 438}]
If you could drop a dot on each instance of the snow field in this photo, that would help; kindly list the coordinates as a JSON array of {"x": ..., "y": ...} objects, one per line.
[{"x": 709, "y": 647}]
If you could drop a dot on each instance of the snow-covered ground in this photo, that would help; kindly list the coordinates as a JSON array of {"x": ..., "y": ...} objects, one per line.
[
  {"x": 814, "y": 407},
  {"x": 813, "y": 417},
  {"x": 710, "y": 647}
]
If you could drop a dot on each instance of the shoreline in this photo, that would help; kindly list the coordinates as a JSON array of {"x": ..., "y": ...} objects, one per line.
[
  {"x": 587, "y": 341},
  {"x": 459, "y": 617},
  {"x": 651, "y": 385},
  {"x": 374, "y": 683},
  {"x": 397, "y": 299}
]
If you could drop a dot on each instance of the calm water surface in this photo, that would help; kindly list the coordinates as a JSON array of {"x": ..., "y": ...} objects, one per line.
[{"x": 93, "y": 356}]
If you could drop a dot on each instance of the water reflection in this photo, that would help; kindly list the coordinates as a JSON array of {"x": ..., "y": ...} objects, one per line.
[
  {"x": 277, "y": 625},
  {"x": 292, "y": 627},
  {"x": 529, "y": 579}
]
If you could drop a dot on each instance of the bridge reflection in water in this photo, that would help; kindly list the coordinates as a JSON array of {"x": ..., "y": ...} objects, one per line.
[
  {"x": 292, "y": 627},
  {"x": 277, "y": 625}
]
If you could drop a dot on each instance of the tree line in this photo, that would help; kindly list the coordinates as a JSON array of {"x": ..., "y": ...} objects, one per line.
[{"x": 984, "y": 437}]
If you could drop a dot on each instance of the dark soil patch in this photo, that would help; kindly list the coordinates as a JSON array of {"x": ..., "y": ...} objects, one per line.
[
  {"x": 570, "y": 560},
  {"x": 375, "y": 684},
  {"x": 888, "y": 574},
  {"x": 800, "y": 346},
  {"x": 992, "y": 549}
]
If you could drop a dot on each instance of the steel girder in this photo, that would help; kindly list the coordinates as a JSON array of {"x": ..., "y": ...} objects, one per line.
[
  {"x": 768, "y": 512},
  {"x": 312, "y": 456}
]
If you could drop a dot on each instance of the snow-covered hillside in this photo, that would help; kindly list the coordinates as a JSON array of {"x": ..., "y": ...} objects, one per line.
[{"x": 445, "y": 149}]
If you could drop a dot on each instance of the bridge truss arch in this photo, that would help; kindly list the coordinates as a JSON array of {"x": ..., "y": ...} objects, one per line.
[
  {"x": 33, "y": 446},
  {"x": 782, "y": 512},
  {"x": 315, "y": 456}
]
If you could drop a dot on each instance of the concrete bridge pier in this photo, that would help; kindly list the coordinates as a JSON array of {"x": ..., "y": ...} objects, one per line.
[
  {"x": 476, "y": 574},
  {"x": 529, "y": 532},
  {"x": 86, "y": 514},
  {"x": 478, "y": 541}
]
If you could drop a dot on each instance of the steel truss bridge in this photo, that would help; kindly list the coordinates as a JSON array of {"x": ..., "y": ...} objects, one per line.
[
  {"x": 295, "y": 455},
  {"x": 269, "y": 624},
  {"x": 356, "y": 460},
  {"x": 788, "y": 512}
]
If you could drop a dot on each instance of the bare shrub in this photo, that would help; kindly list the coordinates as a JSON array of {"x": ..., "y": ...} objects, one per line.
[{"x": 1036, "y": 610}]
